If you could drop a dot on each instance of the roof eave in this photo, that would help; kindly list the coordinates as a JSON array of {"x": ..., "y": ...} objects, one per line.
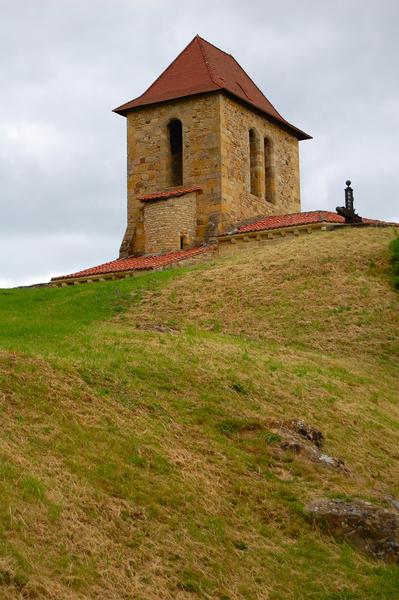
[
  {"x": 298, "y": 133},
  {"x": 127, "y": 107}
]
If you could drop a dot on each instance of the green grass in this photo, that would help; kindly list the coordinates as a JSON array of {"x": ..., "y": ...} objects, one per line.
[
  {"x": 394, "y": 247},
  {"x": 55, "y": 317},
  {"x": 136, "y": 456}
]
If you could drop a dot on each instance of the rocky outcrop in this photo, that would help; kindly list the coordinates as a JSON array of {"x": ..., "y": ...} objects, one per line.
[
  {"x": 304, "y": 430},
  {"x": 371, "y": 529},
  {"x": 300, "y": 438}
]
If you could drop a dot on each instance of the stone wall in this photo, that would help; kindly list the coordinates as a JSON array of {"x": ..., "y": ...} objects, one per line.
[
  {"x": 216, "y": 157},
  {"x": 168, "y": 222},
  {"x": 281, "y": 194},
  {"x": 148, "y": 162}
]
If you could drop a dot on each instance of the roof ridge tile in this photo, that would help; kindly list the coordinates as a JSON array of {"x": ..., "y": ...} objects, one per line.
[{"x": 206, "y": 59}]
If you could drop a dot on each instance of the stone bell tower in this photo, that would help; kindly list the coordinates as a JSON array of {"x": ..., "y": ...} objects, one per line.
[{"x": 206, "y": 152}]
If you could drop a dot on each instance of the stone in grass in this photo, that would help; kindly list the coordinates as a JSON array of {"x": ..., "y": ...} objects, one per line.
[
  {"x": 304, "y": 430},
  {"x": 394, "y": 502},
  {"x": 331, "y": 461},
  {"x": 300, "y": 438},
  {"x": 369, "y": 528},
  {"x": 303, "y": 447}
]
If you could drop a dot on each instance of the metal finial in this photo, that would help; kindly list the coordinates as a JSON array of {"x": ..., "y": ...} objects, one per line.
[{"x": 348, "y": 182}]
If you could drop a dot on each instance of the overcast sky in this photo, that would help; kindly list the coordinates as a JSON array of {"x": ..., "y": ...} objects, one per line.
[{"x": 329, "y": 66}]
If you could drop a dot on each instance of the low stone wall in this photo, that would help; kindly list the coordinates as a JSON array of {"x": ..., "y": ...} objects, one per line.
[{"x": 231, "y": 243}]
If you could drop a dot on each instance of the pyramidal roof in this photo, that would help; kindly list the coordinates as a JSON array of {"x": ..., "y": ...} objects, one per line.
[{"x": 200, "y": 68}]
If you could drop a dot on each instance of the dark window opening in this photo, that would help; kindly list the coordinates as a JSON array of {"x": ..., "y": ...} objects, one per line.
[
  {"x": 176, "y": 152},
  {"x": 182, "y": 242},
  {"x": 254, "y": 162},
  {"x": 269, "y": 171}
]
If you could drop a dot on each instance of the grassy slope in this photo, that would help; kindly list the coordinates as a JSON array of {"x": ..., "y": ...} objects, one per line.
[{"x": 135, "y": 460}]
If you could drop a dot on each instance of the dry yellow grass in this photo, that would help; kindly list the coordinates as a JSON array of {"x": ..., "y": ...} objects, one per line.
[
  {"x": 326, "y": 292},
  {"x": 134, "y": 460}
]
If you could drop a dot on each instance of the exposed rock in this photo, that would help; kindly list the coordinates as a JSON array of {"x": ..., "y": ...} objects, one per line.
[
  {"x": 394, "y": 502},
  {"x": 302, "y": 439},
  {"x": 331, "y": 461},
  {"x": 311, "y": 452},
  {"x": 294, "y": 446},
  {"x": 304, "y": 430},
  {"x": 369, "y": 528}
]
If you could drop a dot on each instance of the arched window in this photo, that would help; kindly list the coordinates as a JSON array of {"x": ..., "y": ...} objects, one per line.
[
  {"x": 269, "y": 171},
  {"x": 254, "y": 162},
  {"x": 175, "y": 130}
]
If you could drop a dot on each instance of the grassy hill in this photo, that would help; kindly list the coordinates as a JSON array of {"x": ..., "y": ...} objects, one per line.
[{"x": 136, "y": 459}]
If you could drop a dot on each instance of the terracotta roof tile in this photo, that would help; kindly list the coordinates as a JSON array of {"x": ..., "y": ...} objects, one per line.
[
  {"x": 202, "y": 67},
  {"x": 140, "y": 263},
  {"x": 169, "y": 193},
  {"x": 303, "y": 218}
]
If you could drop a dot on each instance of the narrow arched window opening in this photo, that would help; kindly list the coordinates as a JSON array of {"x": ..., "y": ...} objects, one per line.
[
  {"x": 254, "y": 162},
  {"x": 269, "y": 171},
  {"x": 175, "y": 130}
]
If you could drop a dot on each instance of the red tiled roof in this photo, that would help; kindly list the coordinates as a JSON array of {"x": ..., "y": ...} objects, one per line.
[
  {"x": 169, "y": 193},
  {"x": 303, "y": 218},
  {"x": 202, "y": 67},
  {"x": 140, "y": 263}
]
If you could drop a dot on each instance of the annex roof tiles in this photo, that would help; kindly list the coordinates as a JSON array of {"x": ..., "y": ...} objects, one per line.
[
  {"x": 140, "y": 263},
  {"x": 169, "y": 193},
  {"x": 302, "y": 218}
]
